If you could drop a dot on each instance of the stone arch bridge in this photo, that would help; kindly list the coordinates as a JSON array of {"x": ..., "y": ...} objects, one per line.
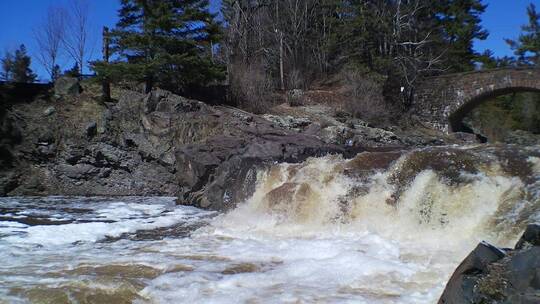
[{"x": 443, "y": 101}]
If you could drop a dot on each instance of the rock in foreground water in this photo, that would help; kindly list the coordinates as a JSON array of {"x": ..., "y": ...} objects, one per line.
[{"x": 492, "y": 275}]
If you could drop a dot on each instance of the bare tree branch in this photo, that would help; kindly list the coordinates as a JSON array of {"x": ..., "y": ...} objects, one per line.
[
  {"x": 49, "y": 36},
  {"x": 76, "y": 40}
]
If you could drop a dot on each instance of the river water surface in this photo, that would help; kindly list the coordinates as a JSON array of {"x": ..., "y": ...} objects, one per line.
[{"x": 311, "y": 233}]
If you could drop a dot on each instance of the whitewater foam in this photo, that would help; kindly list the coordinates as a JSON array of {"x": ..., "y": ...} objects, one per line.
[{"x": 311, "y": 233}]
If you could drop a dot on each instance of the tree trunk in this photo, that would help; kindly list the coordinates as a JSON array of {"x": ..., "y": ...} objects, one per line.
[
  {"x": 281, "y": 72},
  {"x": 106, "y": 86}
]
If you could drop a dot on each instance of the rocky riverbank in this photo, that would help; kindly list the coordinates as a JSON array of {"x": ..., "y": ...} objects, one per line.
[
  {"x": 498, "y": 275},
  {"x": 67, "y": 142}
]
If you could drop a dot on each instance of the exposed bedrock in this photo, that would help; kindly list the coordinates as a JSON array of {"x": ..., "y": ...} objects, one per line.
[
  {"x": 158, "y": 144},
  {"x": 164, "y": 144}
]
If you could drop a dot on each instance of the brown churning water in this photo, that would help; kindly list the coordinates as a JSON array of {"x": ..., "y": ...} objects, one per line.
[{"x": 387, "y": 227}]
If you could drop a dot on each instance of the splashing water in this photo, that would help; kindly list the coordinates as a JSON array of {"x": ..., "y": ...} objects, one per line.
[{"x": 380, "y": 228}]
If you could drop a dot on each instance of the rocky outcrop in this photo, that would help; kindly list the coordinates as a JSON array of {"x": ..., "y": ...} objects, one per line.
[
  {"x": 71, "y": 146},
  {"x": 223, "y": 170},
  {"x": 216, "y": 151},
  {"x": 493, "y": 275},
  {"x": 520, "y": 137},
  {"x": 336, "y": 127},
  {"x": 155, "y": 144},
  {"x": 164, "y": 144}
]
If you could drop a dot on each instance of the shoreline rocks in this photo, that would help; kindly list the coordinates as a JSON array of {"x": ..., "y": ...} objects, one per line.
[
  {"x": 165, "y": 144},
  {"x": 498, "y": 275},
  {"x": 154, "y": 144}
]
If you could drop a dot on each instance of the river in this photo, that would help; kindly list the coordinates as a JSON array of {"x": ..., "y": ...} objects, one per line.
[{"x": 327, "y": 230}]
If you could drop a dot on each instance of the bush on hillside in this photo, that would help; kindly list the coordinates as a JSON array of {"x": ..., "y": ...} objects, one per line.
[
  {"x": 251, "y": 88},
  {"x": 364, "y": 92}
]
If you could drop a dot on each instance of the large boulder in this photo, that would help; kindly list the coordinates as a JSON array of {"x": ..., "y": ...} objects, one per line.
[
  {"x": 530, "y": 238},
  {"x": 462, "y": 284},
  {"x": 222, "y": 171},
  {"x": 492, "y": 275},
  {"x": 296, "y": 97}
]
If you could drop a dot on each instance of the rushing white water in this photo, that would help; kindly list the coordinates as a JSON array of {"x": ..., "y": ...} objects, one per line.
[{"x": 311, "y": 233}]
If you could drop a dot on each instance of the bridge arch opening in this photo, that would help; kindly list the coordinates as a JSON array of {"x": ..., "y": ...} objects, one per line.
[{"x": 456, "y": 119}]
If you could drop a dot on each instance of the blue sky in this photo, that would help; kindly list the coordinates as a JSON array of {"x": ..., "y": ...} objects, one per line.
[{"x": 18, "y": 18}]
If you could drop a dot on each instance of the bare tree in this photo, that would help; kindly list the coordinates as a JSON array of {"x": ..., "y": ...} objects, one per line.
[
  {"x": 76, "y": 40},
  {"x": 49, "y": 36},
  {"x": 247, "y": 49},
  {"x": 412, "y": 50}
]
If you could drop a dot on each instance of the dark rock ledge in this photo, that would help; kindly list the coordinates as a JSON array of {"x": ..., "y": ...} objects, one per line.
[
  {"x": 162, "y": 144},
  {"x": 155, "y": 144},
  {"x": 494, "y": 275}
]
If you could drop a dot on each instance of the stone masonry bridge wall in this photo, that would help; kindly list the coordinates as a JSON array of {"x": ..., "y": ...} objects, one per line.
[{"x": 442, "y": 102}]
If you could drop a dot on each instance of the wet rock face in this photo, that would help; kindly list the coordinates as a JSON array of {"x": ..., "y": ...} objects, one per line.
[
  {"x": 492, "y": 275},
  {"x": 450, "y": 163},
  {"x": 221, "y": 171},
  {"x": 10, "y": 135},
  {"x": 530, "y": 238}
]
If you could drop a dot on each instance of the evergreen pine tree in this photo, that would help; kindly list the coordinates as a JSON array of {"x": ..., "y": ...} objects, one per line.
[
  {"x": 488, "y": 60},
  {"x": 460, "y": 21},
  {"x": 163, "y": 42},
  {"x": 527, "y": 47},
  {"x": 7, "y": 67},
  {"x": 73, "y": 72},
  {"x": 16, "y": 68}
]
